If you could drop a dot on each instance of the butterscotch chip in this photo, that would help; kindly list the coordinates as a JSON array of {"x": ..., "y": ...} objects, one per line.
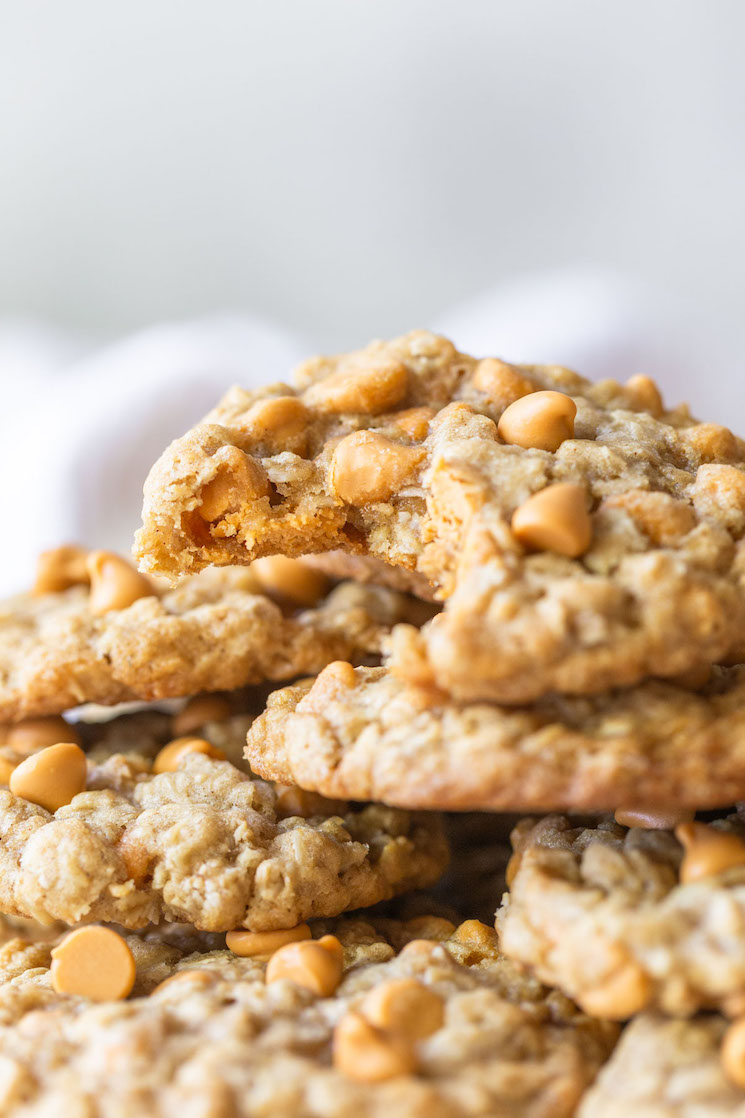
[
  {"x": 52, "y": 777},
  {"x": 171, "y": 755},
  {"x": 620, "y": 995},
  {"x": 184, "y": 980},
  {"x": 645, "y": 395},
  {"x": 542, "y": 420},
  {"x": 369, "y": 735},
  {"x": 93, "y": 962},
  {"x": 605, "y": 914},
  {"x": 373, "y": 389},
  {"x": 336, "y": 679},
  {"x": 414, "y": 422},
  {"x": 502, "y": 383},
  {"x": 228, "y": 1043},
  {"x": 555, "y": 519},
  {"x": 236, "y": 478},
  {"x": 215, "y": 631},
  {"x": 291, "y": 579},
  {"x": 316, "y": 965},
  {"x": 32, "y": 734},
  {"x": 280, "y": 423},
  {"x": 404, "y": 1006},
  {"x": 115, "y": 584},
  {"x": 423, "y": 947},
  {"x": 654, "y": 590},
  {"x": 367, "y": 1054},
  {"x": 254, "y": 945},
  {"x": 205, "y": 844},
  {"x": 369, "y": 468},
  {"x": 199, "y": 710},
  {"x": 733, "y": 1053},
  {"x": 708, "y": 852},
  {"x": 652, "y": 820},
  {"x": 60, "y": 568}
]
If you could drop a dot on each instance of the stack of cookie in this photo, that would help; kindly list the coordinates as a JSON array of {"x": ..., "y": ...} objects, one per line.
[
  {"x": 482, "y": 588},
  {"x": 180, "y": 935}
]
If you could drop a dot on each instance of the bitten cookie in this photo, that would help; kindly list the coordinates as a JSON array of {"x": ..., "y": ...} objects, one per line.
[
  {"x": 583, "y": 536},
  {"x": 376, "y": 1020}
]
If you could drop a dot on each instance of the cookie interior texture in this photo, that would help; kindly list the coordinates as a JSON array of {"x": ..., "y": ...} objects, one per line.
[
  {"x": 232, "y": 1045},
  {"x": 368, "y": 734},
  {"x": 589, "y": 902},
  {"x": 215, "y": 631},
  {"x": 658, "y": 592}
]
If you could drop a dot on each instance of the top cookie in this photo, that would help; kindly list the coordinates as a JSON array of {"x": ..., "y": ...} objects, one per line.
[
  {"x": 216, "y": 631},
  {"x": 406, "y": 1027},
  {"x": 633, "y": 568}
]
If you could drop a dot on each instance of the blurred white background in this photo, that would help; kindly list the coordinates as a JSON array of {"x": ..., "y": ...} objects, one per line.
[{"x": 549, "y": 179}]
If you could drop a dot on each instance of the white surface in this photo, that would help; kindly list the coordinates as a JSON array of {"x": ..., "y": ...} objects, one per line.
[{"x": 353, "y": 168}]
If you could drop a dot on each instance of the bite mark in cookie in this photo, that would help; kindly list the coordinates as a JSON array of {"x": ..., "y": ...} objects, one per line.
[{"x": 641, "y": 574}]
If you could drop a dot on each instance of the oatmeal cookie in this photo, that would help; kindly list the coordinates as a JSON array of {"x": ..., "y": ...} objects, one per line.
[
  {"x": 216, "y": 631},
  {"x": 576, "y": 552},
  {"x": 623, "y": 919},
  {"x": 201, "y": 842},
  {"x": 367, "y": 734},
  {"x": 227, "y": 1039},
  {"x": 663, "y": 1068}
]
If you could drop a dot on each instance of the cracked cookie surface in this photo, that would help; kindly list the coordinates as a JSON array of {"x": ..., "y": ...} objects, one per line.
[
  {"x": 367, "y": 734},
  {"x": 205, "y": 844},
  {"x": 230, "y": 1045},
  {"x": 601, "y": 912},
  {"x": 394, "y": 452},
  {"x": 215, "y": 631}
]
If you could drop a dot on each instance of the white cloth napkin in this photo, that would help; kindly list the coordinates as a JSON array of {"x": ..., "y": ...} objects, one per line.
[{"x": 81, "y": 425}]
